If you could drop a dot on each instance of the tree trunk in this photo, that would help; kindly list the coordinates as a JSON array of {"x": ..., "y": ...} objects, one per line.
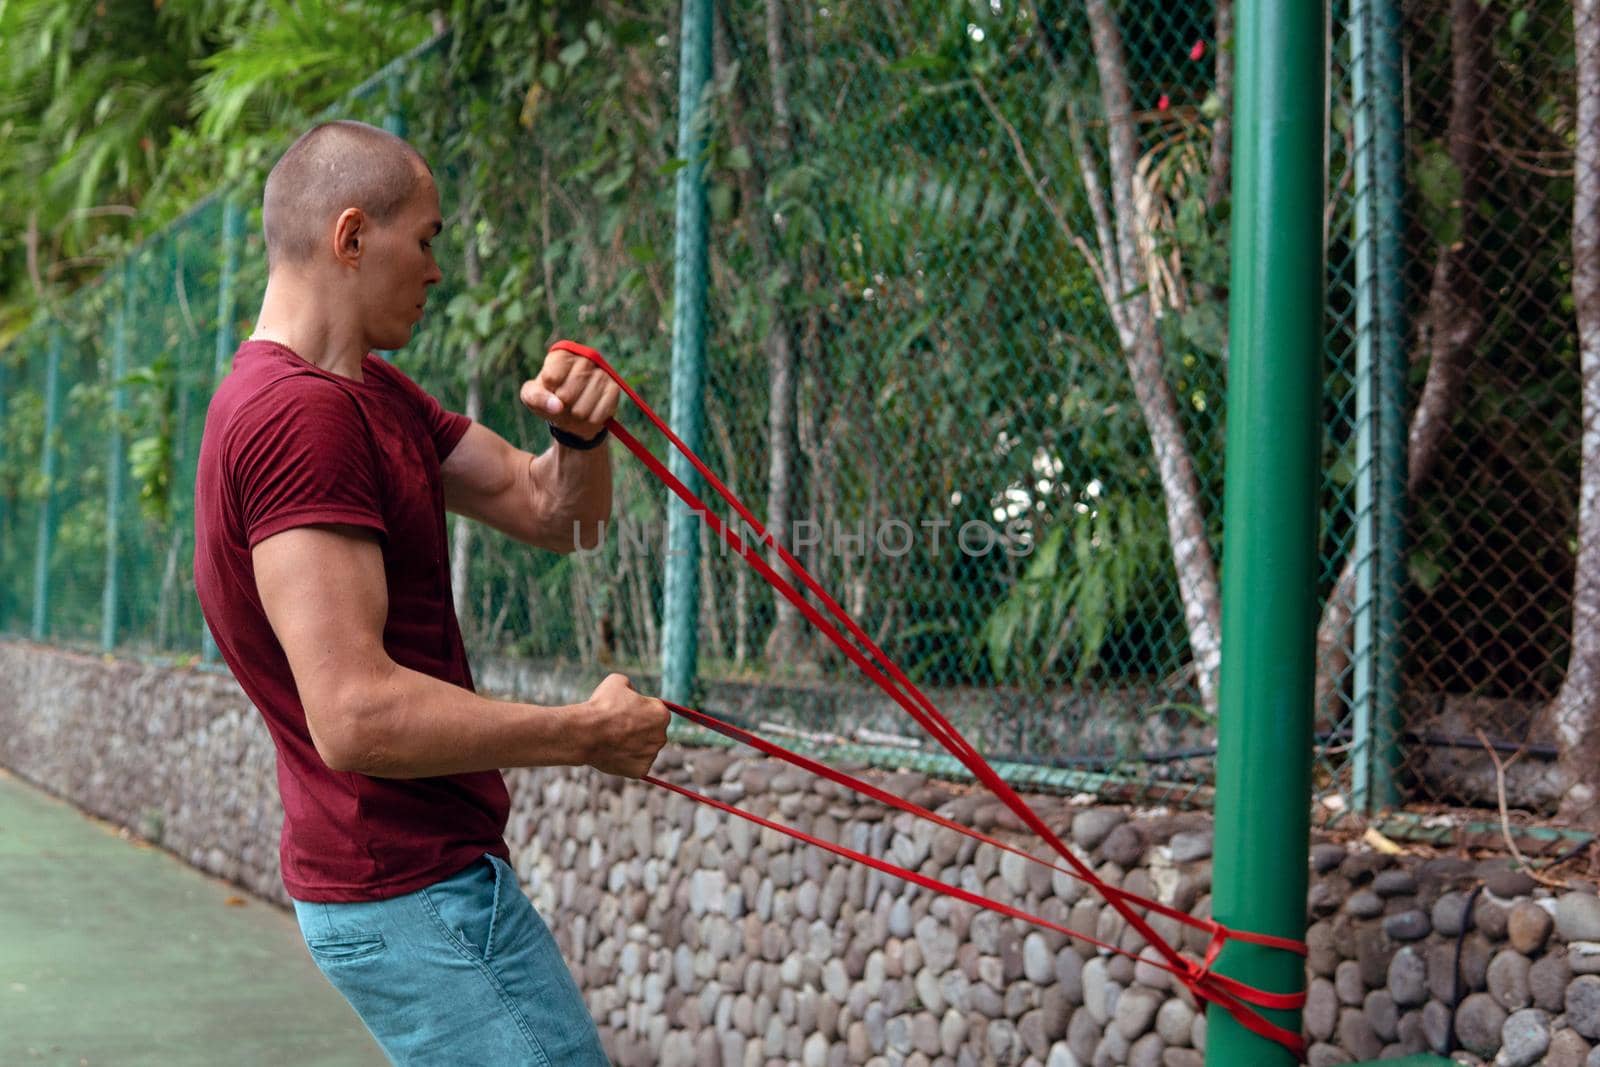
[
  {"x": 1220, "y": 170},
  {"x": 710, "y": 612},
  {"x": 544, "y": 245},
  {"x": 778, "y": 346},
  {"x": 1454, "y": 324},
  {"x": 1123, "y": 275},
  {"x": 461, "y": 536},
  {"x": 1219, "y": 166},
  {"x": 1576, "y": 705},
  {"x": 784, "y": 640},
  {"x": 779, "y": 76},
  {"x": 741, "y": 572},
  {"x": 637, "y": 579}
]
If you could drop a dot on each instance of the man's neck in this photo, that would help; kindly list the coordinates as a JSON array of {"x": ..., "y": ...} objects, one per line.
[{"x": 292, "y": 315}]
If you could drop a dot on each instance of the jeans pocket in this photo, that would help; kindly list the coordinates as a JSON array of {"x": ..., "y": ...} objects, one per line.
[
  {"x": 345, "y": 948},
  {"x": 465, "y": 906}
]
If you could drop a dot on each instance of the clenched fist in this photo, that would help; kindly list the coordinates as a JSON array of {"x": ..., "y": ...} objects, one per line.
[
  {"x": 572, "y": 394},
  {"x": 628, "y": 728}
]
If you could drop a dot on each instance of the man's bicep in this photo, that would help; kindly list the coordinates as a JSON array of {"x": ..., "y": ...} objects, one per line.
[
  {"x": 477, "y": 470},
  {"x": 324, "y": 592},
  {"x": 487, "y": 478}
]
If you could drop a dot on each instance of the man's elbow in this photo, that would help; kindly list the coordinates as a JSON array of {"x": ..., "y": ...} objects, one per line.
[
  {"x": 338, "y": 759},
  {"x": 338, "y": 751},
  {"x": 346, "y": 733}
]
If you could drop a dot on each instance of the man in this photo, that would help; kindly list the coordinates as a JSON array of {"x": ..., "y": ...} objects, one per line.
[{"x": 322, "y": 570}]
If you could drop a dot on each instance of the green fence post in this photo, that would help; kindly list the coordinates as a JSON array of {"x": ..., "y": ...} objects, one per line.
[
  {"x": 115, "y": 460},
  {"x": 47, "y": 463},
  {"x": 227, "y": 337},
  {"x": 1380, "y": 402},
  {"x": 9, "y": 545},
  {"x": 681, "y": 623},
  {"x": 1270, "y": 509},
  {"x": 394, "y": 118},
  {"x": 188, "y": 373}
]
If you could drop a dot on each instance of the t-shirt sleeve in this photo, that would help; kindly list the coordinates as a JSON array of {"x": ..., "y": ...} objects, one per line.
[
  {"x": 445, "y": 428},
  {"x": 300, "y": 454}
]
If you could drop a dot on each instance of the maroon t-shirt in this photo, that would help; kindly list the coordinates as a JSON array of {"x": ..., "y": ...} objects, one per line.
[{"x": 288, "y": 444}]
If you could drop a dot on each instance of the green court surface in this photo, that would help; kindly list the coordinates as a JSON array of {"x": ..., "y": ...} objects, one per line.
[{"x": 116, "y": 953}]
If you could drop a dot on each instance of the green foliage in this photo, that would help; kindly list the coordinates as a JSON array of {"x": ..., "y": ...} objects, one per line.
[
  {"x": 113, "y": 121},
  {"x": 294, "y": 59},
  {"x": 1439, "y": 183},
  {"x": 1086, "y": 579},
  {"x": 953, "y": 356},
  {"x": 150, "y": 452}
]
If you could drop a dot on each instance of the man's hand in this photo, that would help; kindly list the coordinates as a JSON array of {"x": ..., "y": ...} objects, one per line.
[
  {"x": 628, "y": 728},
  {"x": 572, "y": 394}
]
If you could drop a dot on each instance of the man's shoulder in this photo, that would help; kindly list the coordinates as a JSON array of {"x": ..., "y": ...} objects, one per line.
[
  {"x": 280, "y": 390},
  {"x": 257, "y": 370},
  {"x": 271, "y": 398},
  {"x": 397, "y": 383},
  {"x": 376, "y": 368}
]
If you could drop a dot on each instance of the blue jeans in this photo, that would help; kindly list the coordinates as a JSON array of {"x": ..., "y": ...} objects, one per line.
[{"x": 463, "y": 971}]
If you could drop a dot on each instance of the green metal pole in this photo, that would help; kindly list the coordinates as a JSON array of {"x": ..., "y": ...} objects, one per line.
[
  {"x": 188, "y": 375},
  {"x": 227, "y": 338},
  {"x": 681, "y": 626},
  {"x": 8, "y": 541},
  {"x": 1270, "y": 508},
  {"x": 1380, "y": 402},
  {"x": 394, "y": 119},
  {"x": 46, "y": 531},
  {"x": 115, "y": 460}
]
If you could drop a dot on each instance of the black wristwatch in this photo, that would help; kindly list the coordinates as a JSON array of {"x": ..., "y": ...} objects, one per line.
[{"x": 576, "y": 443}]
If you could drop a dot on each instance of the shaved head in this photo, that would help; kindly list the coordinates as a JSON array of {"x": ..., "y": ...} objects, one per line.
[{"x": 332, "y": 167}]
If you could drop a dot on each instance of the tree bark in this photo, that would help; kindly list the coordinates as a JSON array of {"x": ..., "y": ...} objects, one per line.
[
  {"x": 1123, "y": 276},
  {"x": 461, "y": 535},
  {"x": 1220, "y": 170},
  {"x": 1579, "y": 699},
  {"x": 741, "y": 572},
  {"x": 784, "y": 640},
  {"x": 778, "y": 345},
  {"x": 1219, "y": 164},
  {"x": 710, "y": 613},
  {"x": 637, "y": 581},
  {"x": 1454, "y": 324},
  {"x": 779, "y": 76}
]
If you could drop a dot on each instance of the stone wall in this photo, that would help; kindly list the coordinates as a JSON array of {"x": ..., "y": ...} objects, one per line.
[
  {"x": 180, "y": 757},
  {"x": 704, "y": 940}
]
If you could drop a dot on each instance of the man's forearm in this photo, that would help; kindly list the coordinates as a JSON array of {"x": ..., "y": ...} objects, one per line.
[
  {"x": 407, "y": 724},
  {"x": 573, "y": 488}
]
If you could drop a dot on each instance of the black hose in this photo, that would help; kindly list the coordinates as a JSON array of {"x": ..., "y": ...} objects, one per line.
[{"x": 1455, "y": 970}]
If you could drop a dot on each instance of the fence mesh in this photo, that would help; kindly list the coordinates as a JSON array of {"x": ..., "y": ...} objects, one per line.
[
  {"x": 1459, "y": 594},
  {"x": 967, "y": 354}
]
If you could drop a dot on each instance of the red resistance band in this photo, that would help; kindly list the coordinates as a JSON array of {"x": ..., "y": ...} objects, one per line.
[{"x": 1238, "y": 999}]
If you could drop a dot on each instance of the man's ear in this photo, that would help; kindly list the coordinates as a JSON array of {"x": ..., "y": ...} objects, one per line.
[{"x": 349, "y": 231}]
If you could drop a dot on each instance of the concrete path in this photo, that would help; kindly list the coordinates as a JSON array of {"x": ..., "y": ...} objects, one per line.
[{"x": 116, "y": 953}]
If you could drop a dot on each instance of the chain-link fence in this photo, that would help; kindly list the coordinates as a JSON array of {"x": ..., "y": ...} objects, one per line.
[
  {"x": 967, "y": 351},
  {"x": 1454, "y": 419}
]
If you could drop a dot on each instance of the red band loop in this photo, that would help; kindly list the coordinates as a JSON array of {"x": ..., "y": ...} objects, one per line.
[{"x": 1233, "y": 996}]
